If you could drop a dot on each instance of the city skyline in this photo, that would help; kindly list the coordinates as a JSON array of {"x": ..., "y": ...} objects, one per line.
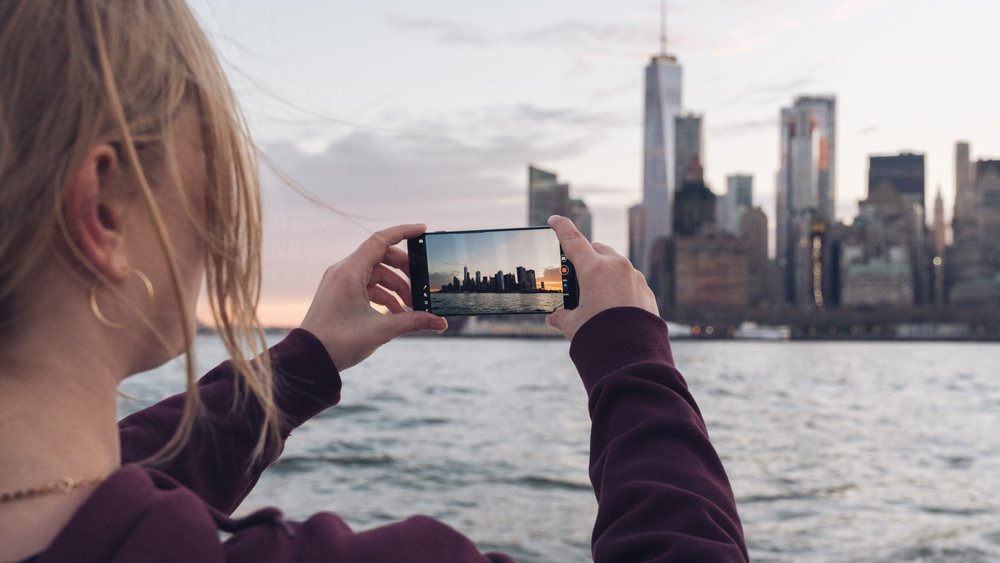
[
  {"x": 518, "y": 280},
  {"x": 450, "y": 256},
  {"x": 457, "y": 124}
]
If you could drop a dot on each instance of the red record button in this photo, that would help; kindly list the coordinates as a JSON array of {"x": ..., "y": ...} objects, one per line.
[{"x": 565, "y": 269}]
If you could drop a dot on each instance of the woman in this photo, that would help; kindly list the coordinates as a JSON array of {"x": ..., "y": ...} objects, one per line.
[{"x": 125, "y": 179}]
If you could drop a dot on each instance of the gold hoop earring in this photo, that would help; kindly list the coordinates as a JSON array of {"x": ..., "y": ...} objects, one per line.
[{"x": 97, "y": 310}]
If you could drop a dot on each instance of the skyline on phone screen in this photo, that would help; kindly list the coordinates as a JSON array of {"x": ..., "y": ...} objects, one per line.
[{"x": 449, "y": 254}]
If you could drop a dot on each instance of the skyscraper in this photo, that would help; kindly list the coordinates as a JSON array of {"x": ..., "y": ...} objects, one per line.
[
  {"x": 973, "y": 262},
  {"x": 580, "y": 215},
  {"x": 940, "y": 230},
  {"x": 659, "y": 181},
  {"x": 965, "y": 199},
  {"x": 689, "y": 145},
  {"x": 904, "y": 172},
  {"x": 940, "y": 243},
  {"x": 738, "y": 199},
  {"x": 636, "y": 232},
  {"x": 806, "y": 195},
  {"x": 753, "y": 229},
  {"x": 694, "y": 204},
  {"x": 546, "y": 196},
  {"x": 522, "y": 277}
]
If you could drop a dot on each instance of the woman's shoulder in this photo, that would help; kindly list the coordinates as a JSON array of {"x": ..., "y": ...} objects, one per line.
[
  {"x": 143, "y": 514},
  {"x": 138, "y": 513}
]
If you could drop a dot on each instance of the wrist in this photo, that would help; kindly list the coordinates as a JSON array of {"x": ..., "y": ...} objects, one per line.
[{"x": 617, "y": 337}]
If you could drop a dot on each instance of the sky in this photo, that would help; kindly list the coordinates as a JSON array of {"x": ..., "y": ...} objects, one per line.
[
  {"x": 392, "y": 111},
  {"x": 449, "y": 254}
]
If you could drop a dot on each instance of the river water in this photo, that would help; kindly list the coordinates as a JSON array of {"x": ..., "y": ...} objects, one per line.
[
  {"x": 837, "y": 451},
  {"x": 494, "y": 303}
]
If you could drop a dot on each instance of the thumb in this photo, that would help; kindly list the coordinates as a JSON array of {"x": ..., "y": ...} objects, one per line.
[{"x": 414, "y": 321}]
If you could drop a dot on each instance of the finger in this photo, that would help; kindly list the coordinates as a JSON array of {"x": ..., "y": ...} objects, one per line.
[
  {"x": 555, "y": 318},
  {"x": 604, "y": 250},
  {"x": 383, "y": 276},
  {"x": 405, "y": 323},
  {"x": 373, "y": 250},
  {"x": 574, "y": 244},
  {"x": 381, "y": 296},
  {"x": 397, "y": 258}
]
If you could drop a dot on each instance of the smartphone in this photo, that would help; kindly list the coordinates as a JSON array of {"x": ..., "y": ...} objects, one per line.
[{"x": 491, "y": 272}]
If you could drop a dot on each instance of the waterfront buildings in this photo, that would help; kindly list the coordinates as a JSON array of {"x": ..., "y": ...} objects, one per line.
[
  {"x": 904, "y": 175},
  {"x": 965, "y": 204},
  {"x": 689, "y": 146},
  {"x": 806, "y": 196},
  {"x": 753, "y": 230},
  {"x": 940, "y": 244},
  {"x": 636, "y": 232},
  {"x": 581, "y": 217},
  {"x": 903, "y": 172},
  {"x": 973, "y": 262},
  {"x": 737, "y": 200},
  {"x": 708, "y": 271},
  {"x": 875, "y": 259},
  {"x": 694, "y": 204},
  {"x": 659, "y": 172},
  {"x": 547, "y": 196},
  {"x": 522, "y": 280}
]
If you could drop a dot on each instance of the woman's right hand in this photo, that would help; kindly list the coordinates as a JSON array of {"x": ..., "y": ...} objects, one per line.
[
  {"x": 341, "y": 316},
  {"x": 606, "y": 278}
]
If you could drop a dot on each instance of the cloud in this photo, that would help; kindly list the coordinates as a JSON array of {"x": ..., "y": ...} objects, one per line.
[
  {"x": 467, "y": 172},
  {"x": 585, "y": 34},
  {"x": 845, "y": 10},
  {"x": 744, "y": 127},
  {"x": 433, "y": 153},
  {"x": 446, "y": 32},
  {"x": 551, "y": 273},
  {"x": 780, "y": 89},
  {"x": 740, "y": 44},
  {"x": 754, "y": 34},
  {"x": 584, "y": 39},
  {"x": 438, "y": 279},
  {"x": 593, "y": 191}
]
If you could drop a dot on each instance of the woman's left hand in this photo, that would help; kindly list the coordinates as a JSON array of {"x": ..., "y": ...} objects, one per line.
[{"x": 341, "y": 316}]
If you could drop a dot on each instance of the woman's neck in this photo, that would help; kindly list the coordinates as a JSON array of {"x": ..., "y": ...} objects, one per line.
[{"x": 58, "y": 419}]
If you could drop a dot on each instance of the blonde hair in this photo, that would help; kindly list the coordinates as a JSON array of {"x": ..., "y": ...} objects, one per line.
[{"x": 83, "y": 72}]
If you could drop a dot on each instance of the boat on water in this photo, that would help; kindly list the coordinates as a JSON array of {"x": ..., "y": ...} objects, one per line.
[
  {"x": 754, "y": 331},
  {"x": 678, "y": 331}
]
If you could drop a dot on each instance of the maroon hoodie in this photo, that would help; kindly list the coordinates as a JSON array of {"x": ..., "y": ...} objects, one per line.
[{"x": 661, "y": 489}]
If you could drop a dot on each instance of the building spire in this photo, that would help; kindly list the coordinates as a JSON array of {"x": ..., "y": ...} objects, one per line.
[{"x": 663, "y": 27}]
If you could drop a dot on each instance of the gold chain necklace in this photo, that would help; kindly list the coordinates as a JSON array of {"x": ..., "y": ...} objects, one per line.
[{"x": 66, "y": 485}]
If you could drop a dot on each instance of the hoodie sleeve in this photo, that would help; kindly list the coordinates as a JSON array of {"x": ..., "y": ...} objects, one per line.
[
  {"x": 661, "y": 489},
  {"x": 216, "y": 461}
]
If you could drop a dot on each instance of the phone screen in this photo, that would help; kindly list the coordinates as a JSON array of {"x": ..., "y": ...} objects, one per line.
[{"x": 491, "y": 272}]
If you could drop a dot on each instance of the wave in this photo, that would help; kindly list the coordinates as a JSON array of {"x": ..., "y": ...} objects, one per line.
[
  {"x": 539, "y": 482},
  {"x": 796, "y": 495},
  {"x": 345, "y": 410},
  {"x": 306, "y": 464}
]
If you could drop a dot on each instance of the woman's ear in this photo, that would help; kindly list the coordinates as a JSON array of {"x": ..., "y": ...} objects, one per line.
[{"x": 94, "y": 217}]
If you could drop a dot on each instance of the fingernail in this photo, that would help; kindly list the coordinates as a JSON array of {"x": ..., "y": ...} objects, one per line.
[
  {"x": 548, "y": 321},
  {"x": 553, "y": 218}
]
